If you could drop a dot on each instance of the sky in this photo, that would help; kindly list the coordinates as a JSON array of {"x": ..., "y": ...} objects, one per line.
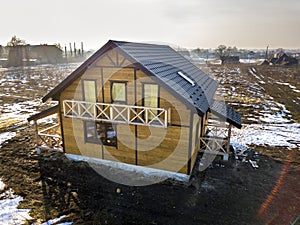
[{"x": 184, "y": 23}]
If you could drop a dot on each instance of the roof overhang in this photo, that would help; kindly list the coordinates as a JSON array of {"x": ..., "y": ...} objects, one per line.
[
  {"x": 45, "y": 113},
  {"x": 226, "y": 113}
]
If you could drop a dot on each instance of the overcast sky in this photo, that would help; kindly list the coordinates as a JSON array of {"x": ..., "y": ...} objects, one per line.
[{"x": 185, "y": 23}]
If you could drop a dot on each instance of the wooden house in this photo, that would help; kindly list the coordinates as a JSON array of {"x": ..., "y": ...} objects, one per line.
[{"x": 140, "y": 104}]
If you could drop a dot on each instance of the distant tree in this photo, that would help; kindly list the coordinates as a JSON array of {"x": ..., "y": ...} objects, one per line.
[
  {"x": 223, "y": 51},
  {"x": 200, "y": 52},
  {"x": 1, "y": 51},
  {"x": 15, "y": 42},
  {"x": 197, "y": 51},
  {"x": 58, "y": 46}
]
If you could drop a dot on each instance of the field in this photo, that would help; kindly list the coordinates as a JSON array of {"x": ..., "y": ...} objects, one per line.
[{"x": 232, "y": 192}]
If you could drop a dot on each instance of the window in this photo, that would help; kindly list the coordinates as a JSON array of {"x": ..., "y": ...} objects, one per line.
[
  {"x": 91, "y": 132},
  {"x": 118, "y": 92},
  {"x": 107, "y": 133},
  {"x": 89, "y": 91},
  {"x": 100, "y": 132},
  {"x": 151, "y": 97}
]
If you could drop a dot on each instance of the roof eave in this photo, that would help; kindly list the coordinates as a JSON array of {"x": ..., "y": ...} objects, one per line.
[{"x": 45, "y": 113}]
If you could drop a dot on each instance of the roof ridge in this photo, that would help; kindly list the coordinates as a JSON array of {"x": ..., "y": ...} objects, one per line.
[{"x": 138, "y": 43}]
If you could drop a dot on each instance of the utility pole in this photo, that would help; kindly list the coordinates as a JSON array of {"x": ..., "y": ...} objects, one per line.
[
  {"x": 71, "y": 52},
  {"x": 267, "y": 52},
  {"x": 74, "y": 49},
  {"x": 66, "y": 54}
]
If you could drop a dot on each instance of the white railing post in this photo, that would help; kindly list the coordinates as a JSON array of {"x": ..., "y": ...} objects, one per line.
[
  {"x": 79, "y": 108},
  {"x": 111, "y": 112},
  {"x": 166, "y": 118},
  {"x": 128, "y": 114},
  {"x": 146, "y": 116}
]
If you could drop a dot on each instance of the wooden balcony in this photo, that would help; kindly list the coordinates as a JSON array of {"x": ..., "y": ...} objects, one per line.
[{"x": 117, "y": 113}]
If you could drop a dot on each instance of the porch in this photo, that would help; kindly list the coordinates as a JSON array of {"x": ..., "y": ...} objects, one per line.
[
  {"x": 217, "y": 138},
  {"x": 48, "y": 138}
]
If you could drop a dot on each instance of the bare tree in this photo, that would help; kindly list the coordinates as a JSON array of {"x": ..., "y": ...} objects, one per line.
[
  {"x": 15, "y": 42},
  {"x": 1, "y": 51},
  {"x": 223, "y": 51}
]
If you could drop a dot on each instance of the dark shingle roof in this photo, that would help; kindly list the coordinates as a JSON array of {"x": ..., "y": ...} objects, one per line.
[
  {"x": 165, "y": 64},
  {"x": 226, "y": 113}
]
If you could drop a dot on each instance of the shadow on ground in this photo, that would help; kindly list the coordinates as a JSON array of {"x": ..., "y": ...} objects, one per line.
[{"x": 230, "y": 193}]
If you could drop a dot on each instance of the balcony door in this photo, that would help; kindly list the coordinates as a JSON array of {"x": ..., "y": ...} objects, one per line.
[
  {"x": 151, "y": 98},
  {"x": 89, "y": 95}
]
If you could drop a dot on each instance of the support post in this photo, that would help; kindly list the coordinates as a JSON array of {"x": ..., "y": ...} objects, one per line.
[
  {"x": 36, "y": 132},
  {"x": 228, "y": 138}
]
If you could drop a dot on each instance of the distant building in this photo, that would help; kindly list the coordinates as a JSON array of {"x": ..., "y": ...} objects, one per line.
[
  {"x": 231, "y": 60},
  {"x": 24, "y": 55},
  {"x": 45, "y": 54},
  {"x": 281, "y": 58},
  {"x": 264, "y": 63}
]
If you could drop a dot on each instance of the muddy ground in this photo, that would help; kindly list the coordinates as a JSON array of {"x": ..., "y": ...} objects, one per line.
[{"x": 230, "y": 192}]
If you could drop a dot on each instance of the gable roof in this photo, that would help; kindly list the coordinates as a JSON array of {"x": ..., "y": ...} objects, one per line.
[{"x": 182, "y": 78}]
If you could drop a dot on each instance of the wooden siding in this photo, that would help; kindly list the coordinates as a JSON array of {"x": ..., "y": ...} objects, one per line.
[
  {"x": 169, "y": 153},
  {"x": 196, "y": 134}
]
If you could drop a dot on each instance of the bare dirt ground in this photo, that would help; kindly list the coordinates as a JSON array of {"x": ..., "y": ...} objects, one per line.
[{"x": 227, "y": 193}]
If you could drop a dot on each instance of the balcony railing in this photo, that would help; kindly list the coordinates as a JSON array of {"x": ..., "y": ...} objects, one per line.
[
  {"x": 126, "y": 114},
  {"x": 50, "y": 138}
]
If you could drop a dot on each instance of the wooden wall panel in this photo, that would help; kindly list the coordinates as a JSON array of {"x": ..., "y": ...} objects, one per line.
[
  {"x": 196, "y": 132},
  {"x": 169, "y": 147},
  {"x": 125, "y": 151}
]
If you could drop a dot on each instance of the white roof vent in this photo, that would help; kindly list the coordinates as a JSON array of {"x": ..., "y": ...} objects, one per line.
[{"x": 186, "y": 78}]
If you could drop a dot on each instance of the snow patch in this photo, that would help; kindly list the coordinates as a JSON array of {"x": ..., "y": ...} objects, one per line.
[
  {"x": 56, "y": 220},
  {"x": 274, "y": 118},
  {"x": 266, "y": 134},
  {"x": 146, "y": 171},
  {"x": 9, "y": 212},
  {"x": 286, "y": 84},
  {"x": 6, "y": 136}
]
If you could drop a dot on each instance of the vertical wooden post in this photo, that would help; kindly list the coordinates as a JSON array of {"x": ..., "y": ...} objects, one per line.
[
  {"x": 228, "y": 138},
  {"x": 58, "y": 131},
  {"x": 82, "y": 49},
  {"x": 36, "y": 132}
]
